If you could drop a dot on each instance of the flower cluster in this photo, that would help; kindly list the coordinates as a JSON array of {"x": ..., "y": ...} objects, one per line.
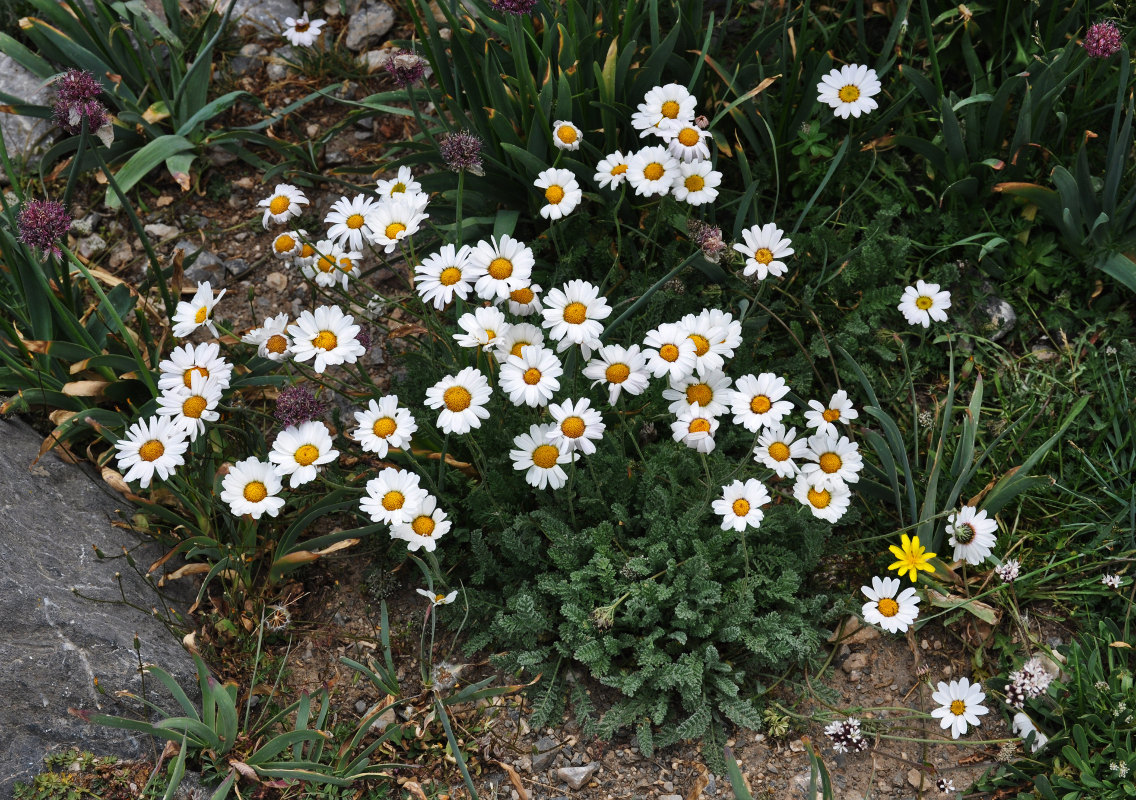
[
  {"x": 76, "y": 99},
  {"x": 1031, "y": 681},
  {"x": 1103, "y": 40},
  {"x": 41, "y": 224},
  {"x": 846, "y": 736}
]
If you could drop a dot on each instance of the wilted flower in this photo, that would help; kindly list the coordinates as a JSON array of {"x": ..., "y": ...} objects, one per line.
[
  {"x": 276, "y": 618},
  {"x": 41, "y": 224},
  {"x": 297, "y": 404},
  {"x": 405, "y": 67},
  {"x": 76, "y": 94},
  {"x": 708, "y": 238},
  {"x": 1102, "y": 40},
  {"x": 846, "y": 736},
  {"x": 462, "y": 151}
]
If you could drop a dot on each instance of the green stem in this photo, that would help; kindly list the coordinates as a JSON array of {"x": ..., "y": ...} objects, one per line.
[{"x": 647, "y": 294}]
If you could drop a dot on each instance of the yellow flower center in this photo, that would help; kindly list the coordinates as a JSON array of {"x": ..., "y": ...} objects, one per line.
[
  {"x": 151, "y": 450},
  {"x": 398, "y": 187},
  {"x": 958, "y": 708},
  {"x": 653, "y": 171},
  {"x": 699, "y": 393},
  {"x": 668, "y": 352},
  {"x": 516, "y": 349},
  {"x": 763, "y": 256},
  {"x": 449, "y": 276},
  {"x": 532, "y": 376},
  {"x": 255, "y": 491},
  {"x": 306, "y": 454},
  {"x": 490, "y": 335},
  {"x": 325, "y": 340},
  {"x": 355, "y": 222},
  {"x": 887, "y": 607},
  {"x": 831, "y": 414},
  {"x": 276, "y": 343},
  {"x": 346, "y": 264},
  {"x": 394, "y": 229},
  {"x": 688, "y": 137},
  {"x": 759, "y": 405},
  {"x": 439, "y": 598},
  {"x": 694, "y": 183},
  {"x": 393, "y": 500},
  {"x": 193, "y": 406},
  {"x": 554, "y": 194},
  {"x": 307, "y": 251},
  {"x": 201, "y": 314},
  {"x": 617, "y": 373},
  {"x": 701, "y": 344},
  {"x": 279, "y": 204},
  {"x": 384, "y": 427},
  {"x": 187, "y": 376},
  {"x": 457, "y": 398},
  {"x": 572, "y": 427},
  {"x": 924, "y": 302},
  {"x": 820, "y": 499},
  {"x": 849, "y": 93},
  {"x": 325, "y": 264},
  {"x": 423, "y": 525},
  {"x": 779, "y": 451},
  {"x": 500, "y": 268},
  {"x": 699, "y": 425},
  {"x": 545, "y": 456},
  {"x": 566, "y": 134},
  {"x": 284, "y": 243},
  {"x": 670, "y": 109},
  {"x": 741, "y": 507},
  {"x": 830, "y": 462},
  {"x": 575, "y": 313},
  {"x": 619, "y": 169}
]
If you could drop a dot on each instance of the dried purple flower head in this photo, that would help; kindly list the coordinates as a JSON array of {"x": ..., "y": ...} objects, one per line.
[
  {"x": 76, "y": 99},
  {"x": 42, "y": 223},
  {"x": 846, "y": 736},
  {"x": 1102, "y": 40},
  {"x": 405, "y": 67},
  {"x": 702, "y": 121},
  {"x": 462, "y": 151},
  {"x": 364, "y": 338},
  {"x": 708, "y": 238},
  {"x": 296, "y": 405},
  {"x": 517, "y": 7}
]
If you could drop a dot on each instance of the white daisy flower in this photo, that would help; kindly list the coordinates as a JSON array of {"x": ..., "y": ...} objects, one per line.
[
  {"x": 191, "y": 408},
  {"x": 620, "y": 369},
  {"x": 740, "y": 505},
  {"x": 348, "y": 221},
  {"x": 578, "y": 426},
  {"x": 394, "y": 221},
  {"x": 717, "y": 318},
  {"x": 348, "y": 263},
  {"x": 383, "y": 425},
  {"x": 565, "y": 135},
  {"x": 685, "y": 140},
  {"x": 560, "y": 190},
  {"x": 764, "y": 248},
  {"x": 503, "y": 265},
  {"x": 670, "y": 351},
  {"x": 154, "y": 445},
  {"x": 831, "y": 461},
  {"x": 271, "y": 340},
  {"x": 572, "y": 316},
  {"x": 710, "y": 391},
  {"x": 827, "y": 504},
  {"x": 424, "y": 526},
  {"x": 481, "y": 326},
  {"x": 524, "y": 301},
  {"x": 696, "y": 183},
  {"x": 756, "y": 402},
  {"x": 924, "y": 302},
  {"x": 824, "y": 418},
  {"x": 302, "y": 32},
  {"x": 299, "y": 451},
  {"x": 191, "y": 315},
  {"x": 522, "y": 334},
  {"x": 960, "y": 705},
  {"x": 892, "y": 612},
  {"x": 203, "y": 359},
  {"x": 652, "y": 171},
  {"x": 531, "y": 378},
  {"x": 542, "y": 459},
  {"x": 1023, "y": 726},
  {"x": 391, "y": 495},
  {"x": 663, "y": 103},
  {"x": 849, "y": 90},
  {"x": 323, "y": 266},
  {"x": 283, "y": 204},
  {"x": 286, "y": 245},
  {"x": 710, "y": 350},
  {"x": 398, "y": 187},
  {"x": 251, "y": 487},
  {"x": 778, "y": 449},
  {"x": 695, "y": 429},
  {"x": 306, "y": 252},
  {"x": 611, "y": 171},
  {"x": 444, "y": 274},
  {"x": 438, "y": 599},
  {"x": 462, "y": 400},
  {"x": 329, "y": 336},
  {"x": 971, "y": 535}
]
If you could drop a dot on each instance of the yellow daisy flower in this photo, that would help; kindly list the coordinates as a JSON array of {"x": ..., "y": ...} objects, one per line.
[{"x": 912, "y": 557}]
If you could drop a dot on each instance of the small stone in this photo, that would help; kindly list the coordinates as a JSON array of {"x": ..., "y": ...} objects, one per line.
[
  {"x": 670, "y": 797},
  {"x": 159, "y": 231},
  {"x": 856, "y": 661},
  {"x": 916, "y": 779},
  {"x": 91, "y": 246},
  {"x": 578, "y": 777},
  {"x": 1043, "y": 352},
  {"x": 360, "y": 706},
  {"x": 277, "y": 69},
  {"x": 219, "y": 156},
  {"x": 237, "y": 267},
  {"x": 374, "y": 60},
  {"x": 994, "y": 317},
  {"x": 84, "y": 226},
  {"x": 277, "y": 281},
  {"x": 668, "y": 786},
  {"x": 250, "y": 57},
  {"x": 854, "y": 631},
  {"x": 121, "y": 255},
  {"x": 205, "y": 266},
  {"x": 948, "y": 670},
  {"x": 368, "y": 26},
  {"x": 545, "y": 753},
  {"x": 267, "y": 15},
  {"x": 797, "y": 746}
]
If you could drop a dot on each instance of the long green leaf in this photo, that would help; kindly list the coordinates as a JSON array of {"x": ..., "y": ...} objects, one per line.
[{"x": 145, "y": 160}]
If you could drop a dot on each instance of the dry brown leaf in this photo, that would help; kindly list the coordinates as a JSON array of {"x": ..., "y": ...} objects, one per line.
[
  {"x": 305, "y": 556},
  {"x": 415, "y": 789},
  {"x": 514, "y": 779},
  {"x": 163, "y": 201},
  {"x": 114, "y": 479},
  {"x": 700, "y": 783},
  {"x": 85, "y": 388}
]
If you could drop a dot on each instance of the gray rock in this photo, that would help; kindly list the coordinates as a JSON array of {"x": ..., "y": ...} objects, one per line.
[
  {"x": 219, "y": 156},
  {"x": 545, "y": 753},
  {"x": 121, "y": 255},
  {"x": 85, "y": 226},
  {"x": 994, "y": 317},
  {"x": 206, "y": 266},
  {"x": 248, "y": 60},
  {"x": 267, "y": 15},
  {"x": 278, "y": 68},
  {"x": 855, "y": 662},
  {"x": 374, "y": 60},
  {"x": 91, "y": 246},
  {"x": 237, "y": 267},
  {"x": 578, "y": 777},
  {"x": 159, "y": 231},
  {"x": 55, "y": 643},
  {"x": 670, "y": 797},
  {"x": 23, "y": 136},
  {"x": 368, "y": 27}
]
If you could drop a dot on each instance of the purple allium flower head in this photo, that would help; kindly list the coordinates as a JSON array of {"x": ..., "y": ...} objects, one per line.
[
  {"x": 76, "y": 99},
  {"x": 707, "y": 237},
  {"x": 42, "y": 223},
  {"x": 405, "y": 67},
  {"x": 462, "y": 150},
  {"x": 296, "y": 405},
  {"x": 364, "y": 338},
  {"x": 1102, "y": 40},
  {"x": 519, "y": 8}
]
